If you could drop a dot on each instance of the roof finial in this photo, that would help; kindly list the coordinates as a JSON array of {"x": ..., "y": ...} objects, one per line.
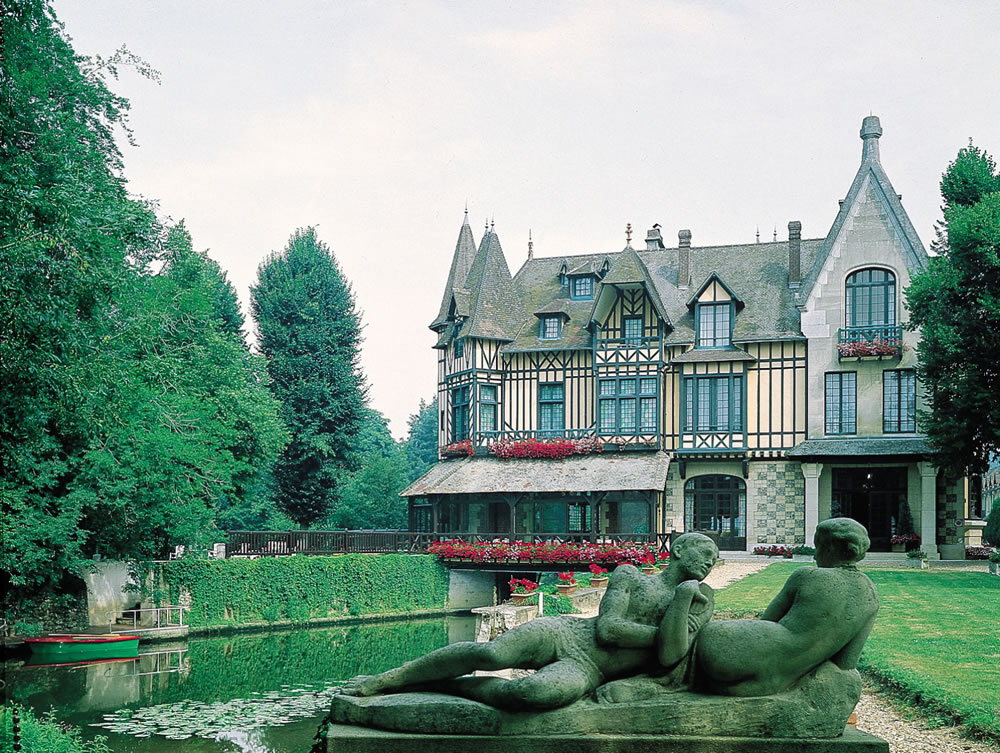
[
  {"x": 774, "y": 238},
  {"x": 758, "y": 235},
  {"x": 491, "y": 224},
  {"x": 628, "y": 234},
  {"x": 487, "y": 228},
  {"x": 465, "y": 221},
  {"x": 531, "y": 246},
  {"x": 871, "y": 130}
]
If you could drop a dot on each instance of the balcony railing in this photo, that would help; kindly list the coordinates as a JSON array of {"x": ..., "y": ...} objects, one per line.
[
  {"x": 645, "y": 440},
  {"x": 881, "y": 341}
]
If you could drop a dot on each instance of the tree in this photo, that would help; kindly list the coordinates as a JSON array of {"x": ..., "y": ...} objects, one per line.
[
  {"x": 310, "y": 333},
  {"x": 71, "y": 246},
  {"x": 956, "y": 304},
  {"x": 370, "y": 496},
  {"x": 422, "y": 441}
]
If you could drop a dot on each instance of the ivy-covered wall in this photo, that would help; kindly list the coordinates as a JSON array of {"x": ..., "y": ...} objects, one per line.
[{"x": 241, "y": 591}]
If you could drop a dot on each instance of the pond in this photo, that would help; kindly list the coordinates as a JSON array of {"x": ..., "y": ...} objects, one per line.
[{"x": 241, "y": 693}]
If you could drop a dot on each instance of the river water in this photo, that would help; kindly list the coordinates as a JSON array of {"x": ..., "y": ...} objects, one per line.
[{"x": 239, "y": 693}]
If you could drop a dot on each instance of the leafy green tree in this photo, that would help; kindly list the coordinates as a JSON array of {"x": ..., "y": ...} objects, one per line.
[
  {"x": 422, "y": 441},
  {"x": 991, "y": 534},
  {"x": 72, "y": 244},
  {"x": 956, "y": 303},
  {"x": 370, "y": 495},
  {"x": 310, "y": 332}
]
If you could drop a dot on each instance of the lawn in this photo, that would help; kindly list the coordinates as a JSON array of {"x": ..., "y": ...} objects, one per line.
[{"x": 936, "y": 640}]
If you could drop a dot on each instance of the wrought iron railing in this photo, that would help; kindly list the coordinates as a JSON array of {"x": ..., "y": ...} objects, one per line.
[{"x": 879, "y": 341}]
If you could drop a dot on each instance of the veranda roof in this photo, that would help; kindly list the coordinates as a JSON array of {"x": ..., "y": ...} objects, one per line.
[
  {"x": 602, "y": 472},
  {"x": 855, "y": 448}
]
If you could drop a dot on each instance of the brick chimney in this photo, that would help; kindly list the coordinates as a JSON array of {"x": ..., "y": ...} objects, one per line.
[
  {"x": 794, "y": 254},
  {"x": 654, "y": 239},
  {"x": 683, "y": 258}
]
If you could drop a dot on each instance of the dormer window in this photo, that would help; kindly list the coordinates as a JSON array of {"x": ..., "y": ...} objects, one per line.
[
  {"x": 582, "y": 288},
  {"x": 459, "y": 348},
  {"x": 714, "y": 324},
  {"x": 550, "y": 327}
]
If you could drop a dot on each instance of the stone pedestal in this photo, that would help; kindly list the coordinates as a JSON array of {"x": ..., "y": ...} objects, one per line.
[{"x": 343, "y": 738}]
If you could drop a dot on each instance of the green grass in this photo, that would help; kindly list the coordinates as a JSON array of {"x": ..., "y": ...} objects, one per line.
[{"x": 936, "y": 641}]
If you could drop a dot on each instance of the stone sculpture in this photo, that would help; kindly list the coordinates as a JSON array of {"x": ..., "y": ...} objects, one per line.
[
  {"x": 656, "y": 663},
  {"x": 643, "y": 621}
]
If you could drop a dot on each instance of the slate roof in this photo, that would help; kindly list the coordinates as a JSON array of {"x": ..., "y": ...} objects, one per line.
[
  {"x": 875, "y": 447},
  {"x": 709, "y": 355},
  {"x": 461, "y": 263},
  {"x": 581, "y": 473},
  {"x": 495, "y": 310}
]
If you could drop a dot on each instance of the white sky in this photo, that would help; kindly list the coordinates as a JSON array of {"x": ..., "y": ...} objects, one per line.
[{"x": 377, "y": 121}]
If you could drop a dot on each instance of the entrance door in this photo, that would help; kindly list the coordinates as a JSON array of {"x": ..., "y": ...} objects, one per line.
[
  {"x": 873, "y": 497},
  {"x": 717, "y": 505}
]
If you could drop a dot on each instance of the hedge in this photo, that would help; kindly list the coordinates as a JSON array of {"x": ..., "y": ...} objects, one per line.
[{"x": 299, "y": 589}]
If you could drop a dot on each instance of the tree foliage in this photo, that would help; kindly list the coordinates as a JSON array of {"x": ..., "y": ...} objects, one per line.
[
  {"x": 422, "y": 441},
  {"x": 956, "y": 303},
  {"x": 130, "y": 408},
  {"x": 310, "y": 333}
]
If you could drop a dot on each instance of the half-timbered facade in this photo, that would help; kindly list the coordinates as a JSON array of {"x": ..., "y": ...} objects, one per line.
[{"x": 748, "y": 391}]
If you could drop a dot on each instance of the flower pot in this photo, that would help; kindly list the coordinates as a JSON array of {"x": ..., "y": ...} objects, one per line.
[
  {"x": 916, "y": 562},
  {"x": 519, "y": 599},
  {"x": 565, "y": 588},
  {"x": 650, "y": 570},
  {"x": 664, "y": 566},
  {"x": 598, "y": 582}
]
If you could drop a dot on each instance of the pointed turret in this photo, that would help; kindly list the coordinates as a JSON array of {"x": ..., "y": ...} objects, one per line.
[
  {"x": 455, "y": 297},
  {"x": 496, "y": 312}
]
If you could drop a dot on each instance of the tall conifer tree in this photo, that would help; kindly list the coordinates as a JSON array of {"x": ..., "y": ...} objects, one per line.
[{"x": 310, "y": 332}]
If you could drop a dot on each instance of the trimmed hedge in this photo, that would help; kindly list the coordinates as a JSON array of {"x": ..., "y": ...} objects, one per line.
[{"x": 299, "y": 589}]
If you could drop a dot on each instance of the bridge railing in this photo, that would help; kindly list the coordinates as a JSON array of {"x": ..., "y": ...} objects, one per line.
[{"x": 280, "y": 543}]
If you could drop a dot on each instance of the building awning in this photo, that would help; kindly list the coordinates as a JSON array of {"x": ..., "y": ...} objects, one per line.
[
  {"x": 601, "y": 472},
  {"x": 877, "y": 449}
]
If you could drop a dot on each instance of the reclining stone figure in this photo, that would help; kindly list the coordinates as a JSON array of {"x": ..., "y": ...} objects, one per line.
[
  {"x": 644, "y": 621},
  {"x": 656, "y": 663}
]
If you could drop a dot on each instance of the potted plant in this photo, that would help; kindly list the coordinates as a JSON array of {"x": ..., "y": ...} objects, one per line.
[
  {"x": 566, "y": 584},
  {"x": 663, "y": 558},
  {"x": 995, "y": 562},
  {"x": 521, "y": 589},
  {"x": 904, "y": 542},
  {"x": 598, "y": 576},
  {"x": 917, "y": 558},
  {"x": 648, "y": 563},
  {"x": 802, "y": 553}
]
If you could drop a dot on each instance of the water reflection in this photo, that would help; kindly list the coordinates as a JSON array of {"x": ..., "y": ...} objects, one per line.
[{"x": 270, "y": 679}]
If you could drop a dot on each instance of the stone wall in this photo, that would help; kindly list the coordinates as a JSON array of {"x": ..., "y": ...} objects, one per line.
[
  {"x": 950, "y": 507},
  {"x": 672, "y": 514},
  {"x": 777, "y": 499}
]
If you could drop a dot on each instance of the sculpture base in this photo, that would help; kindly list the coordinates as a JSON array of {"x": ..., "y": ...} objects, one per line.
[
  {"x": 816, "y": 707},
  {"x": 342, "y": 738}
]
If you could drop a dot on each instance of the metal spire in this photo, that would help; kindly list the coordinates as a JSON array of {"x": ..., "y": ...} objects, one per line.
[
  {"x": 531, "y": 246},
  {"x": 628, "y": 234}
]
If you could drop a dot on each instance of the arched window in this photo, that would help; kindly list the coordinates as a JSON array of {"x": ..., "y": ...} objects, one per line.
[{"x": 870, "y": 298}]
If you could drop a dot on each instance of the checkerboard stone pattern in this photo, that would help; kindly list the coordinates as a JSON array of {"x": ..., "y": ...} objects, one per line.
[
  {"x": 673, "y": 502},
  {"x": 778, "y": 496},
  {"x": 950, "y": 507}
]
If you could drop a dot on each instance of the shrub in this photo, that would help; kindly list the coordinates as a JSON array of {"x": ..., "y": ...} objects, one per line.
[
  {"x": 45, "y": 733},
  {"x": 991, "y": 534},
  {"x": 269, "y": 589},
  {"x": 977, "y": 552}
]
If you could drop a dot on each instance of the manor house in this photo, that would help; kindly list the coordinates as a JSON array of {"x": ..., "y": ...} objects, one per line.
[{"x": 746, "y": 391}]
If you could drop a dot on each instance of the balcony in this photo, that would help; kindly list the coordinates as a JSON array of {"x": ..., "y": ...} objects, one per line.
[
  {"x": 587, "y": 441},
  {"x": 870, "y": 343}
]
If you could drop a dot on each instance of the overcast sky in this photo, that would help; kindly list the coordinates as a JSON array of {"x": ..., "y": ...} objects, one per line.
[{"x": 378, "y": 121}]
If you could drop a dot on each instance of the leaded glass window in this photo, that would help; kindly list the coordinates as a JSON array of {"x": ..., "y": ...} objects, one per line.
[
  {"x": 714, "y": 325},
  {"x": 487, "y": 407},
  {"x": 899, "y": 401},
  {"x": 632, "y": 329},
  {"x": 550, "y": 327},
  {"x": 870, "y": 298},
  {"x": 842, "y": 402},
  {"x": 550, "y": 408}
]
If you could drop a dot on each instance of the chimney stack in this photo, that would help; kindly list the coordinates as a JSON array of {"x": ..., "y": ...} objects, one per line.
[
  {"x": 654, "y": 239},
  {"x": 683, "y": 258},
  {"x": 871, "y": 130},
  {"x": 794, "y": 253}
]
